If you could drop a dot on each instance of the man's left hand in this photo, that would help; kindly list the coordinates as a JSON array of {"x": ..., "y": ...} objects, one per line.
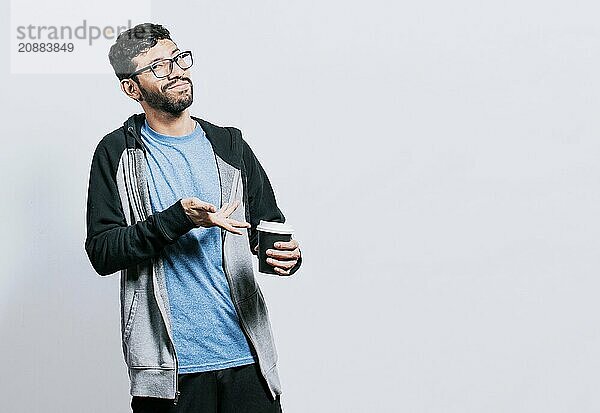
[{"x": 284, "y": 256}]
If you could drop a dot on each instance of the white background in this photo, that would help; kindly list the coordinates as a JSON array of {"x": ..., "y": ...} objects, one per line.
[{"x": 439, "y": 161}]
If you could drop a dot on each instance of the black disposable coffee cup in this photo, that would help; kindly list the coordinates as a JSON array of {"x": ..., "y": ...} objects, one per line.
[{"x": 268, "y": 234}]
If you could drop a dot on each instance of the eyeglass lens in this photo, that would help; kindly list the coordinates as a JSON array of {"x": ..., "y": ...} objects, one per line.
[{"x": 165, "y": 67}]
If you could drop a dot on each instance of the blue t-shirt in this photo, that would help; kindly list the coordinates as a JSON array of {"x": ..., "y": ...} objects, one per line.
[{"x": 206, "y": 329}]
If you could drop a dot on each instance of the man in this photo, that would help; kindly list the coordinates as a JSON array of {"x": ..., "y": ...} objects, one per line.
[{"x": 173, "y": 203}]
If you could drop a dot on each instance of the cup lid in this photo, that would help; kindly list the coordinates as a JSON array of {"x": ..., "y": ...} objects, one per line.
[{"x": 274, "y": 227}]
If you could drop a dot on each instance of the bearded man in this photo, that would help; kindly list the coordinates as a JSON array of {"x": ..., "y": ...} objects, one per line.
[{"x": 173, "y": 204}]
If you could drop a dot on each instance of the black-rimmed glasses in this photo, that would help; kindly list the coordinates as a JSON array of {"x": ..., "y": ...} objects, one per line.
[{"x": 163, "y": 68}]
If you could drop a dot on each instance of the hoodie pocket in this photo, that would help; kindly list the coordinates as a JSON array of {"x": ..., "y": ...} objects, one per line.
[
  {"x": 145, "y": 334},
  {"x": 131, "y": 316}
]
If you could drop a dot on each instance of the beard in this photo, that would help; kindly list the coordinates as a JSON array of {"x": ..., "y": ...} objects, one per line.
[{"x": 173, "y": 102}]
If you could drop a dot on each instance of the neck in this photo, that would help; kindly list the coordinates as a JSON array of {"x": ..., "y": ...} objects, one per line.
[{"x": 168, "y": 124}]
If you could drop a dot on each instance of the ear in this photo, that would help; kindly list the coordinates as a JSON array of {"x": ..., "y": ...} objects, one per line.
[{"x": 131, "y": 89}]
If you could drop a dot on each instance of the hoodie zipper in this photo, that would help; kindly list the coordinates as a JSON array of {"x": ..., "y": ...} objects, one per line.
[
  {"x": 229, "y": 280},
  {"x": 237, "y": 308},
  {"x": 143, "y": 213},
  {"x": 235, "y": 303}
]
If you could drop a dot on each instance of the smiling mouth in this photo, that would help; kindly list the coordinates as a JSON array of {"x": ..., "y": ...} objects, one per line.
[{"x": 179, "y": 86}]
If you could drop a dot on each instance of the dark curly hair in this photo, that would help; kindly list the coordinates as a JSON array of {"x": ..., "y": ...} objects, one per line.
[{"x": 132, "y": 43}]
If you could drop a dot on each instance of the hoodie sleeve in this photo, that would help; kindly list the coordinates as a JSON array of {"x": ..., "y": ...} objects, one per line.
[
  {"x": 111, "y": 244},
  {"x": 261, "y": 198}
]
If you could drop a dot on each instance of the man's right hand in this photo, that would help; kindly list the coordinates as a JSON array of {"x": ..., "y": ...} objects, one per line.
[{"x": 206, "y": 215}]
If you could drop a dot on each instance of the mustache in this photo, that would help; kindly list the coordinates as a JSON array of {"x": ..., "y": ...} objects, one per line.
[{"x": 183, "y": 79}]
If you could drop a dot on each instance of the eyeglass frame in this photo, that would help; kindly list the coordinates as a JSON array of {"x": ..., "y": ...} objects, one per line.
[{"x": 173, "y": 61}]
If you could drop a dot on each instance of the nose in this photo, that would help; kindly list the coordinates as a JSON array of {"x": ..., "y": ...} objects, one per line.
[{"x": 177, "y": 71}]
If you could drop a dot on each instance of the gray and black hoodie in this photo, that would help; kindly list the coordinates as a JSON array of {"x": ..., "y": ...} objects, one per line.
[{"x": 124, "y": 235}]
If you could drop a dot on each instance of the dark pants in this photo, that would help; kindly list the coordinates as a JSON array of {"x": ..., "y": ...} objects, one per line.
[{"x": 234, "y": 390}]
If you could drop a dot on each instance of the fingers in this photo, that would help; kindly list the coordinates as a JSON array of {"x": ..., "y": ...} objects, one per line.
[
  {"x": 290, "y": 245},
  {"x": 196, "y": 203},
  {"x": 238, "y": 224},
  {"x": 281, "y": 271},
  {"x": 286, "y": 265},
  {"x": 231, "y": 225},
  {"x": 231, "y": 229},
  {"x": 228, "y": 208},
  {"x": 284, "y": 255},
  {"x": 220, "y": 218}
]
